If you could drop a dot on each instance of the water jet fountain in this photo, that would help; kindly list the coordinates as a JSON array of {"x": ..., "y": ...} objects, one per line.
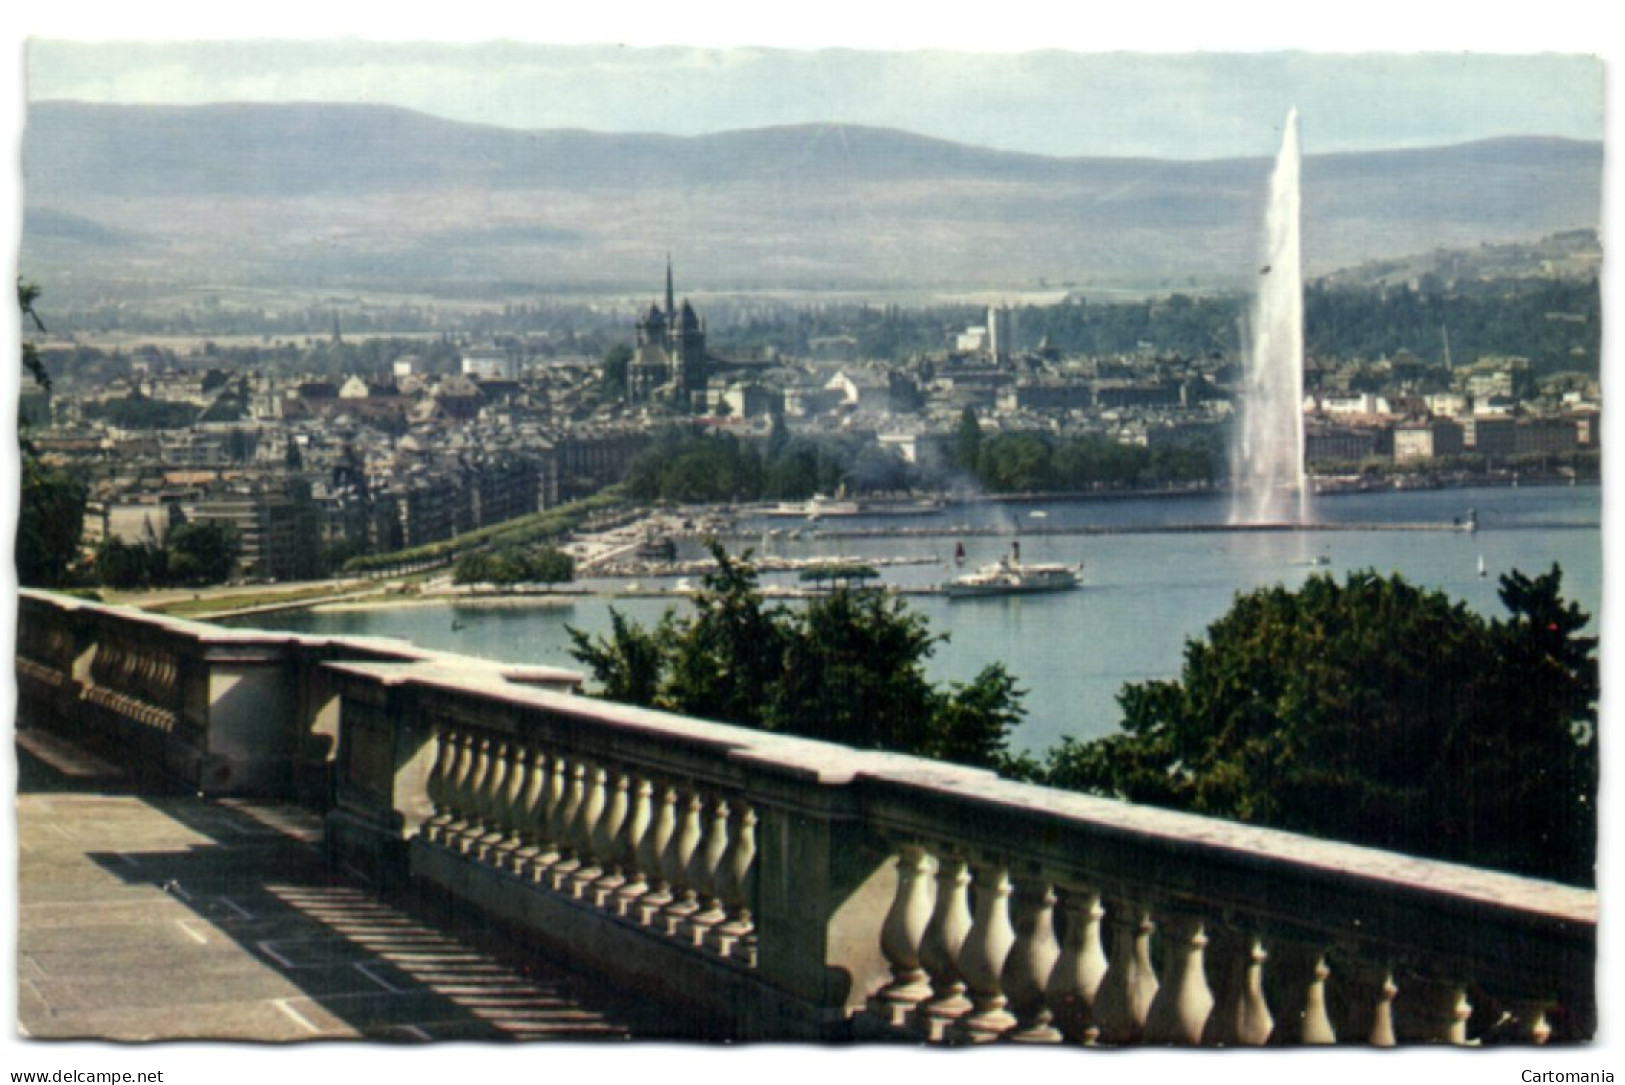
[{"x": 1267, "y": 477}]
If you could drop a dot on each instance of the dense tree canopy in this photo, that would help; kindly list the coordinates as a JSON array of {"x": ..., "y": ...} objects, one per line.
[
  {"x": 515, "y": 565},
  {"x": 51, "y": 510},
  {"x": 848, "y": 667},
  {"x": 203, "y": 552},
  {"x": 1376, "y": 712}
]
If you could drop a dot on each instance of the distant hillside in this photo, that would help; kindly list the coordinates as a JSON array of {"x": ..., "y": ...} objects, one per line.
[{"x": 384, "y": 199}]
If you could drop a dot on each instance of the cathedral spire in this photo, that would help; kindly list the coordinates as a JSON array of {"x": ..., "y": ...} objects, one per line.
[{"x": 671, "y": 307}]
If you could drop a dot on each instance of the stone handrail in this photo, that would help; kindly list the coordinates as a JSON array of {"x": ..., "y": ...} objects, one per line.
[
  {"x": 892, "y": 897},
  {"x": 225, "y": 711},
  {"x": 773, "y": 887}
]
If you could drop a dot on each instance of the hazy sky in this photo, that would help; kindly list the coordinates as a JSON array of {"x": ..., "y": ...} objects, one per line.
[{"x": 1189, "y": 105}]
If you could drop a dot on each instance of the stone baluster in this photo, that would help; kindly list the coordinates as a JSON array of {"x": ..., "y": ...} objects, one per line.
[
  {"x": 1371, "y": 991},
  {"x": 652, "y": 854},
  {"x": 530, "y": 810},
  {"x": 462, "y": 790},
  {"x": 981, "y": 959},
  {"x": 1130, "y": 982},
  {"x": 1074, "y": 982},
  {"x": 1031, "y": 962},
  {"x": 544, "y": 812},
  {"x": 901, "y": 934},
  {"x": 564, "y": 824},
  {"x": 678, "y": 862},
  {"x": 941, "y": 947},
  {"x": 1183, "y": 1002},
  {"x": 1438, "y": 1012},
  {"x": 736, "y": 935},
  {"x": 1241, "y": 1017},
  {"x": 595, "y": 801},
  {"x": 639, "y": 823},
  {"x": 608, "y": 840},
  {"x": 1526, "y": 1020},
  {"x": 515, "y": 803},
  {"x": 1299, "y": 991},
  {"x": 494, "y": 798},
  {"x": 440, "y": 785},
  {"x": 705, "y": 873},
  {"x": 478, "y": 791}
]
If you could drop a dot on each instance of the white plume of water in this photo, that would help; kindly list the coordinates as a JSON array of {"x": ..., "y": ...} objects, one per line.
[{"x": 1266, "y": 459}]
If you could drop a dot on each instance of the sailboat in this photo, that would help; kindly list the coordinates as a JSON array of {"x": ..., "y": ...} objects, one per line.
[{"x": 1481, "y": 570}]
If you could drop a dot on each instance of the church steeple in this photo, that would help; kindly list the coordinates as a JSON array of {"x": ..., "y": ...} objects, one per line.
[{"x": 671, "y": 307}]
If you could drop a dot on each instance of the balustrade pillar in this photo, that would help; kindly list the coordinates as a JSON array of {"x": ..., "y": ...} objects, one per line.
[
  {"x": 441, "y": 786},
  {"x": 1241, "y": 1016},
  {"x": 494, "y": 799},
  {"x": 608, "y": 841},
  {"x": 1527, "y": 1021},
  {"x": 1074, "y": 982},
  {"x": 462, "y": 788},
  {"x": 1438, "y": 1012},
  {"x": 1130, "y": 982},
  {"x": 1301, "y": 978},
  {"x": 652, "y": 854},
  {"x": 736, "y": 935},
  {"x": 1180, "y": 1010},
  {"x": 530, "y": 811},
  {"x": 564, "y": 826},
  {"x": 941, "y": 947},
  {"x": 547, "y": 812},
  {"x": 1031, "y": 961},
  {"x": 521, "y": 771},
  {"x": 479, "y": 778},
  {"x": 981, "y": 959},
  {"x": 705, "y": 873},
  {"x": 595, "y": 801},
  {"x": 639, "y": 823},
  {"x": 678, "y": 863},
  {"x": 901, "y": 935}
]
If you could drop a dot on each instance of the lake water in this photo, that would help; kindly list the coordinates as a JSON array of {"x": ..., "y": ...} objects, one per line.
[{"x": 1143, "y": 594}]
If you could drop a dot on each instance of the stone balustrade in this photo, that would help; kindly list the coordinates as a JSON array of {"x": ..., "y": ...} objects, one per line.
[
  {"x": 762, "y": 886},
  {"x": 223, "y": 711}
]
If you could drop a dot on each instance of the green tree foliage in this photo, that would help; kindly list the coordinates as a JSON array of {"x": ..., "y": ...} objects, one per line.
[
  {"x": 515, "y": 565},
  {"x": 968, "y": 441},
  {"x": 50, "y": 519},
  {"x": 691, "y": 467},
  {"x": 1035, "y": 462},
  {"x": 119, "y": 564},
  {"x": 615, "y": 364},
  {"x": 136, "y": 411},
  {"x": 203, "y": 552},
  {"x": 51, "y": 510},
  {"x": 848, "y": 667},
  {"x": 1376, "y": 712}
]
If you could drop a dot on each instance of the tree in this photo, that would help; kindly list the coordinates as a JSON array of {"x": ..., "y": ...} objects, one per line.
[
  {"x": 968, "y": 441},
  {"x": 51, "y": 511},
  {"x": 616, "y": 362},
  {"x": 849, "y": 667},
  {"x": 629, "y": 663},
  {"x": 204, "y": 552},
  {"x": 1376, "y": 712},
  {"x": 120, "y": 564}
]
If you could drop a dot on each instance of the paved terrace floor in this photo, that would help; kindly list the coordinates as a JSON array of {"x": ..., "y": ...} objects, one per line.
[{"x": 150, "y": 915}]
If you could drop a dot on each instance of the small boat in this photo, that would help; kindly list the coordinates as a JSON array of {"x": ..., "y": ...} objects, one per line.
[
  {"x": 815, "y": 508},
  {"x": 1481, "y": 570},
  {"x": 1010, "y": 576},
  {"x": 657, "y": 548}
]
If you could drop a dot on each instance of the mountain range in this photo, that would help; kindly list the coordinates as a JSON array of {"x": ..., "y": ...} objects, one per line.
[{"x": 380, "y": 199}]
